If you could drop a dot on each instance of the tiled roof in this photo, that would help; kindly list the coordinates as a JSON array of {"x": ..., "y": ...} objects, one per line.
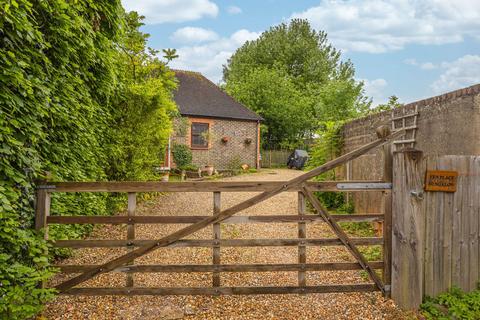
[{"x": 198, "y": 96}]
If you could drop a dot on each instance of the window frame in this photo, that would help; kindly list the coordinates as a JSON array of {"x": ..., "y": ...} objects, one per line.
[{"x": 196, "y": 146}]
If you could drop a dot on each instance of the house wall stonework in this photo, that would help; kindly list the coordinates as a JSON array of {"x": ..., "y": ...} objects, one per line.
[
  {"x": 448, "y": 124},
  {"x": 219, "y": 154}
]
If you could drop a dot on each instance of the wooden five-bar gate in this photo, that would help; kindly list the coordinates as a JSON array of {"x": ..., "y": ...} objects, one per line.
[{"x": 268, "y": 189}]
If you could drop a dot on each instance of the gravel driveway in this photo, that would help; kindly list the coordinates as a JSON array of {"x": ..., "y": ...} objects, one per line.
[{"x": 310, "y": 306}]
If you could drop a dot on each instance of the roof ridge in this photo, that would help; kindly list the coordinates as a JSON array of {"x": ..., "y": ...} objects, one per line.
[{"x": 186, "y": 71}]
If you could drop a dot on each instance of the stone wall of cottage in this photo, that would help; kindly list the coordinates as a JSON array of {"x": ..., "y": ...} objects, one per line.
[
  {"x": 448, "y": 124},
  {"x": 222, "y": 155}
]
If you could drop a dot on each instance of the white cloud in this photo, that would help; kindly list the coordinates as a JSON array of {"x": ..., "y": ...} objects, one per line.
[
  {"x": 463, "y": 72},
  {"x": 424, "y": 65},
  {"x": 428, "y": 66},
  {"x": 208, "y": 58},
  {"x": 193, "y": 35},
  {"x": 377, "y": 26},
  {"x": 375, "y": 89},
  {"x": 234, "y": 10},
  {"x": 161, "y": 11},
  {"x": 412, "y": 62}
]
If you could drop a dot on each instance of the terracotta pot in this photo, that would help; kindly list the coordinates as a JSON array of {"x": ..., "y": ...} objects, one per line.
[{"x": 209, "y": 170}]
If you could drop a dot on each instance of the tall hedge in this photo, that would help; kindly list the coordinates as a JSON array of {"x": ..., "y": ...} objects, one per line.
[{"x": 65, "y": 91}]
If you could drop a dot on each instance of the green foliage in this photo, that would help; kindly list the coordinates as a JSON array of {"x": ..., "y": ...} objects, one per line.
[
  {"x": 182, "y": 155},
  {"x": 326, "y": 148},
  {"x": 142, "y": 109},
  {"x": 390, "y": 105},
  {"x": 170, "y": 54},
  {"x": 235, "y": 164},
  {"x": 72, "y": 107},
  {"x": 57, "y": 74},
  {"x": 295, "y": 79},
  {"x": 273, "y": 95},
  {"x": 358, "y": 229},
  {"x": 454, "y": 304},
  {"x": 23, "y": 264}
]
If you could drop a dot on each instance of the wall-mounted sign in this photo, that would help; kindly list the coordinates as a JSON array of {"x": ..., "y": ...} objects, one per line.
[{"x": 437, "y": 180}]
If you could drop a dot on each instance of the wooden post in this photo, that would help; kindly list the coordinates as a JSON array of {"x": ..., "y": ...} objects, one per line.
[
  {"x": 216, "y": 237},
  {"x": 302, "y": 234},
  {"x": 42, "y": 211},
  {"x": 387, "y": 222},
  {"x": 408, "y": 229},
  {"x": 132, "y": 205}
]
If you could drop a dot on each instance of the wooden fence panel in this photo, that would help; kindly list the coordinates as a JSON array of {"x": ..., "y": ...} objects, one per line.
[
  {"x": 447, "y": 250},
  {"x": 274, "y": 158}
]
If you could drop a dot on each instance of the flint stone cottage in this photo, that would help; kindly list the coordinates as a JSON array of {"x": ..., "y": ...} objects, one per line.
[{"x": 219, "y": 130}]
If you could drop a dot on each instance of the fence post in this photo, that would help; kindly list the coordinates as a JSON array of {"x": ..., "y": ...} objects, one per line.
[
  {"x": 408, "y": 229},
  {"x": 387, "y": 219},
  {"x": 216, "y": 237},
  {"x": 302, "y": 234},
  {"x": 42, "y": 211},
  {"x": 132, "y": 205}
]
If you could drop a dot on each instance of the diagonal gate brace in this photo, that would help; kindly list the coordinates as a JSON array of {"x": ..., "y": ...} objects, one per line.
[
  {"x": 343, "y": 237},
  {"x": 167, "y": 240}
]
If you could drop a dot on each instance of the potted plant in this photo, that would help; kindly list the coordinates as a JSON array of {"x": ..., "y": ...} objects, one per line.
[{"x": 182, "y": 156}]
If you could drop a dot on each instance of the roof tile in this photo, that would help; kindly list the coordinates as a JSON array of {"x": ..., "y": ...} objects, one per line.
[{"x": 198, "y": 96}]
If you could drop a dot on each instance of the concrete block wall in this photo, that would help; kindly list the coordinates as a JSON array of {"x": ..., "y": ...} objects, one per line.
[
  {"x": 448, "y": 124},
  {"x": 223, "y": 155}
]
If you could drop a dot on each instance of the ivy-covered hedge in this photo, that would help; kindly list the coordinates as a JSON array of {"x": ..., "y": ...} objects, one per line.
[{"x": 70, "y": 109}]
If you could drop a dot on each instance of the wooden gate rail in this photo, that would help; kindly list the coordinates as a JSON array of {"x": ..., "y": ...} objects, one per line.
[
  {"x": 211, "y": 186},
  {"x": 180, "y": 268},
  {"x": 221, "y": 242},
  {"x": 125, "y": 263},
  {"x": 223, "y": 290},
  {"x": 373, "y": 217}
]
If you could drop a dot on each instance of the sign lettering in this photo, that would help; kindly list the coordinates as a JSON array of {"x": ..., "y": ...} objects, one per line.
[{"x": 437, "y": 180}]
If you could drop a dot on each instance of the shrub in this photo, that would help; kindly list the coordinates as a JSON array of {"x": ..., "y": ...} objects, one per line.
[
  {"x": 182, "y": 155},
  {"x": 454, "y": 304}
]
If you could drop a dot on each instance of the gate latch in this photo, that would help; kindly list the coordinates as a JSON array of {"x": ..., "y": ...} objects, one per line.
[{"x": 417, "y": 194}]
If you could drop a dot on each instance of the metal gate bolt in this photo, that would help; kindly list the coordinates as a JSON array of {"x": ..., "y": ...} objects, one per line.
[{"x": 417, "y": 194}]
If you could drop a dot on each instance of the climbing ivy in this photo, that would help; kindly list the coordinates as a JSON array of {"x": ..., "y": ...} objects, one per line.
[
  {"x": 70, "y": 109},
  {"x": 328, "y": 147}
]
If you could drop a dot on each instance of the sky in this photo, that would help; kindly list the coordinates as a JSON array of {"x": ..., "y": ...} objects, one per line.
[{"x": 413, "y": 49}]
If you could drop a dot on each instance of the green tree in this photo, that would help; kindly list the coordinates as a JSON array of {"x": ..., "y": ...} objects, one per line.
[
  {"x": 170, "y": 54},
  {"x": 391, "y": 104},
  {"x": 276, "y": 98},
  {"x": 302, "y": 62},
  {"x": 142, "y": 109}
]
